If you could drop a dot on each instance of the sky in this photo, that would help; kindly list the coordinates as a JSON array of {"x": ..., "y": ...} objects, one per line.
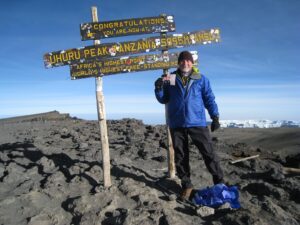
[{"x": 254, "y": 71}]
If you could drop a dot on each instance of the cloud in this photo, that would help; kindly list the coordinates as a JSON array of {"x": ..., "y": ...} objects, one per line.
[
  {"x": 258, "y": 100},
  {"x": 262, "y": 86},
  {"x": 259, "y": 107}
]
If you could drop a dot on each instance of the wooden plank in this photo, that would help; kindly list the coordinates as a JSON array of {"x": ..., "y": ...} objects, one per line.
[
  {"x": 288, "y": 170},
  {"x": 126, "y": 64},
  {"x": 98, "y": 52},
  {"x": 125, "y": 27},
  {"x": 244, "y": 159}
]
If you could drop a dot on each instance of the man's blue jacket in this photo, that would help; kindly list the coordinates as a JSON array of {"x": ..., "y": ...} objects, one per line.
[{"x": 186, "y": 105}]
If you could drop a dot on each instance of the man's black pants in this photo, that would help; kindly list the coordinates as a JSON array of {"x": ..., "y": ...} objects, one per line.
[{"x": 201, "y": 138}]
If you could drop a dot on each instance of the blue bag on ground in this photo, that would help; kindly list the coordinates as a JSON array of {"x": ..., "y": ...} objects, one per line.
[{"x": 218, "y": 195}]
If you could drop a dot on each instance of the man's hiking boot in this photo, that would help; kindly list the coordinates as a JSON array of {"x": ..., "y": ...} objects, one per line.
[{"x": 186, "y": 194}]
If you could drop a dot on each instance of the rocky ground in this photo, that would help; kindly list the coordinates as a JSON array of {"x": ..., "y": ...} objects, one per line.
[{"x": 51, "y": 173}]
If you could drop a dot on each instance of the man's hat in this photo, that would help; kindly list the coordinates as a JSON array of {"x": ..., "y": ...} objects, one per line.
[{"x": 185, "y": 55}]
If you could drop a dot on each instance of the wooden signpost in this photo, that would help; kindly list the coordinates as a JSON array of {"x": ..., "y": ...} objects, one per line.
[
  {"x": 102, "y": 119},
  {"x": 170, "y": 152},
  {"x": 112, "y": 58}
]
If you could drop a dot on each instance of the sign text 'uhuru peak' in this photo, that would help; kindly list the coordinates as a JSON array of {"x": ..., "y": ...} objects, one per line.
[{"x": 98, "y": 52}]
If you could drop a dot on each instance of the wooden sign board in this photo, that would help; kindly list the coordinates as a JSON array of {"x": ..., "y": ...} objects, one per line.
[
  {"x": 98, "y": 52},
  {"x": 126, "y": 65},
  {"x": 117, "y": 28}
]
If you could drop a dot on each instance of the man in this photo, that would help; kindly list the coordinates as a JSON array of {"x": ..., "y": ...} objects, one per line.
[{"x": 186, "y": 100}]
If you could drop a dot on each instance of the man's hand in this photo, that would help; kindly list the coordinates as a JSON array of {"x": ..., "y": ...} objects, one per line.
[
  {"x": 215, "y": 124},
  {"x": 163, "y": 80},
  {"x": 159, "y": 83}
]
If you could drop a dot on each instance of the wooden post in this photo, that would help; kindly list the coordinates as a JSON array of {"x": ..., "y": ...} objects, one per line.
[
  {"x": 102, "y": 119},
  {"x": 171, "y": 158}
]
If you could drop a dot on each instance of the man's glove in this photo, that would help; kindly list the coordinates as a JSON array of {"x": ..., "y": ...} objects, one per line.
[
  {"x": 159, "y": 83},
  {"x": 215, "y": 124}
]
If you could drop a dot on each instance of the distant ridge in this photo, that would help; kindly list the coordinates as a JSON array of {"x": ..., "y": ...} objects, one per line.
[
  {"x": 55, "y": 115},
  {"x": 52, "y": 115}
]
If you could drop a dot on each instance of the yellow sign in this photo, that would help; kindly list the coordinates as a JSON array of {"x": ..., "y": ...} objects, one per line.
[
  {"x": 98, "y": 52},
  {"x": 126, "y": 65},
  {"x": 99, "y": 30}
]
